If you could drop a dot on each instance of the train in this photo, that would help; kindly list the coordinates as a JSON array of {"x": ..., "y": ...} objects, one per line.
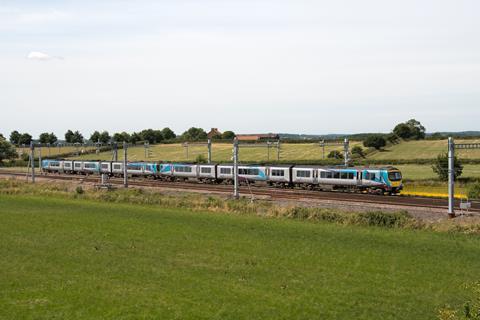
[{"x": 380, "y": 180}]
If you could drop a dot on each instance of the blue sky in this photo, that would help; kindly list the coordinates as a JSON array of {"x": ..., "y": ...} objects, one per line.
[{"x": 250, "y": 66}]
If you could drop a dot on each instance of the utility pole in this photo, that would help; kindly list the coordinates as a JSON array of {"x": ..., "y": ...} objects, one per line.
[
  {"x": 346, "y": 153},
  {"x": 115, "y": 152},
  {"x": 451, "y": 177},
  {"x": 209, "y": 145},
  {"x": 278, "y": 150},
  {"x": 32, "y": 160},
  {"x": 125, "y": 175},
  {"x": 235, "y": 169}
]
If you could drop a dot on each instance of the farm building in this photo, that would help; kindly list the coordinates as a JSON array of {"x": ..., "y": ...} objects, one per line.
[{"x": 258, "y": 137}]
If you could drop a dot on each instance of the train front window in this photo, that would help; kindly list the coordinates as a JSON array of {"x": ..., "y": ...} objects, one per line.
[{"x": 394, "y": 176}]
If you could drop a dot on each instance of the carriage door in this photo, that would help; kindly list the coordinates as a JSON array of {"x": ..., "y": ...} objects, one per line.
[{"x": 359, "y": 177}]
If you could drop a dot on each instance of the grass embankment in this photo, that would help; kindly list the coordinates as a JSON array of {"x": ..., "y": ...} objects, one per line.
[
  {"x": 222, "y": 152},
  {"x": 422, "y": 149},
  {"x": 82, "y": 259}
]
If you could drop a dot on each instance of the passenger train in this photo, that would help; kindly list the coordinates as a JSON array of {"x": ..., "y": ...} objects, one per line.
[{"x": 379, "y": 180}]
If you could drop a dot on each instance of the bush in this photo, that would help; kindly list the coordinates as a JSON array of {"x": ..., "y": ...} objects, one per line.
[
  {"x": 375, "y": 141},
  {"x": 79, "y": 190},
  {"x": 383, "y": 219},
  {"x": 201, "y": 159},
  {"x": 440, "y": 167},
  {"x": 358, "y": 151},
  {"x": 335, "y": 154},
  {"x": 473, "y": 191}
]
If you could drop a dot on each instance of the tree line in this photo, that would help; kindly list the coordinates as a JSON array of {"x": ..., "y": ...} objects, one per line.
[{"x": 149, "y": 135}]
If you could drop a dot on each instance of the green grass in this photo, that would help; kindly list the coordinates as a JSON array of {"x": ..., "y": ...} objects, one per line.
[
  {"x": 423, "y": 149},
  {"x": 222, "y": 152},
  {"x": 78, "y": 259}
]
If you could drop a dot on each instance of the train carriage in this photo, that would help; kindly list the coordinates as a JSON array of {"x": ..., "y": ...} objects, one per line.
[{"x": 280, "y": 175}]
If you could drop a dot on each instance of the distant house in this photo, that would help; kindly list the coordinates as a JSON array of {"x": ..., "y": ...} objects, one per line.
[
  {"x": 213, "y": 133},
  {"x": 258, "y": 137}
]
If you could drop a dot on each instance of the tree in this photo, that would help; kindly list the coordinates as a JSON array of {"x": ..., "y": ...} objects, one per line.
[
  {"x": 228, "y": 135},
  {"x": 375, "y": 141},
  {"x": 44, "y": 137},
  {"x": 403, "y": 131},
  {"x": 194, "y": 134},
  {"x": 7, "y": 150},
  {"x": 15, "y": 137},
  {"x": 104, "y": 137},
  {"x": 95, "y": 136},
  {"x": 392, "y": 138},
  {"x": 121, "y": 137},
  {"x": 135, "y": 137},
  {"x": 358, "y": 151},
  {"x": 69, "y": 136},
  {"x": 77, "y": 137},
  {"x": 52, "y": 138},
  {"x": 418, "y": 131},
  {"x": 412, "y": 129},
  {"x": 168, "y": 134},
  {"x": 152, "y": 136},
  {"x": 335, "y": 154},
  {"x": 440, "y": 167},
  {"x": 25, "y": 138}
]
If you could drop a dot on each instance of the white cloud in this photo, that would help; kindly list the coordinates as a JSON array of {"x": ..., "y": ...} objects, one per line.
[{"x": 37, "y": 55}]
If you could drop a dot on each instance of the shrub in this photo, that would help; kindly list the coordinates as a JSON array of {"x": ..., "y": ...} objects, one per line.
[
  {"x": 440, "y": 167},
  {"x": 473, "y": 191},
  {"x": 201, "y": 159},
  {"x": 335, "y": 154},
  {"x": 358, "y": 151},
  {"x": 383, "y": 219},
  {"x": 375, "y": 141},
  {"x": 79, "y": 190}
]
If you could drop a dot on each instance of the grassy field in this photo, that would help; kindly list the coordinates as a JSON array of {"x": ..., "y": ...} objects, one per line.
[
  {"x": 222, "y": 152},
  {"x": 423, "y": 149},
  {"x": 77, "y": 259},
  {"x": 53, "y": 151}
]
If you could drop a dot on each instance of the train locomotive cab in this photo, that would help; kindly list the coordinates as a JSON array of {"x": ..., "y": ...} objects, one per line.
[{"x": 394, "y": 181}]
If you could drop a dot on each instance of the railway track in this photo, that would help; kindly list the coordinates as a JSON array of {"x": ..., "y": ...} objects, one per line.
[{"x": 278, "y": 194}]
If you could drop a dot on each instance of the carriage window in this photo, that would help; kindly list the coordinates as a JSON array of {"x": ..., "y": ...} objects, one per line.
[
  {"x": 303, "y": 174},
  {"x": 248, "y": 171},
  {"x": 343, "y": 175},
  {"x": 323, "y": 174},
  {"x": 336, "y": 175},
  {"x": 67, "y": 164},
  {"x": 77, "y": 164},
  {"x": 206, "y": 170},
  {"x": 351, "y": 175},
  {"x": 54, "y": 164},
  {"x": 183, "y": 169},
  {"x": 278, "y": 173},
  {"x": 104, "y": 165},
  {"x": 373, "y": 176},
  {"x": 117, "y": 167},
  {"x": 329, "y": 175},
  {"x": 89, "y": 165},
  {"x": 225, "y": 170}
]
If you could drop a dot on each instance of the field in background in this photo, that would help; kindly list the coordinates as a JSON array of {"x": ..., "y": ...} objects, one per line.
[
  {"x": 422, "y": 149},
  {"x": 53, "y": 151},
  {"x": 83, "y": 260},
  {"x": 221, "y": 152}
]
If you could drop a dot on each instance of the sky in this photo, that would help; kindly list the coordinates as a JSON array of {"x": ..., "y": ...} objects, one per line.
[{"x": 251, "y": 66}]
